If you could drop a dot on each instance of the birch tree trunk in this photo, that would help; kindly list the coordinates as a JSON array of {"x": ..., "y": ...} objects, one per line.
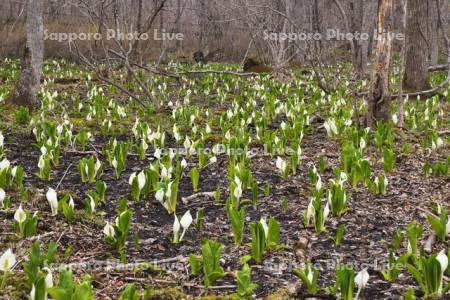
[
  {"x": 27, "y": 87},
  {"x": 416, "y": 67},
  {"x": 379, "y": 88}
]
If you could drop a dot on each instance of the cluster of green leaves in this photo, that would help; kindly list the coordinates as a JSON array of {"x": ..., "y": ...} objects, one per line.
[
  {"x": 90, "y": 169},
  {"x": 264, "y": 237},
  {"x": 208, "y": 264},
  {"x": 68, "y": 289},
  {"x": 122, "y": 227}
]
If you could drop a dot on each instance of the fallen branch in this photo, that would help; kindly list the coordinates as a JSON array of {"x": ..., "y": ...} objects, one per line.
[
  {"x": 427, "y": 93},
  {"x": 64, "y": 176},
  {"x": 438, "y": 68},
  {"x": 217, "y": 287},
  {"x": 185, "y": 200},
  {"x": 220, "y": 72}
]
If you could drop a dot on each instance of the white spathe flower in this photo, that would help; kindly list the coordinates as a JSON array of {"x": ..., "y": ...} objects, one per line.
[
  {"x": 443, "y": 261},
  {"x": 439, "y": 142},
  {"x": 132, "y": 177},
  {"x": 185, "y": 222},
  {"x": 33, "y": 293},
  {"x": 310, "y": 275},
  {"x": 281, "y": 164},
  {"x": 14, "y": 172},
  {"x": 7, "y": 261},
  {"x": 176, "y": 229},
  {"x": 164, "y": 172},
  {"x": 4, "y": 164},
  {"x": 319, "y": 183},
  {"x": 343, "y": 177},
  {"x": 183, "y": 163},
  {"x": 43, "y": 150},
  {"x": 169, "y": 190},
  {"x": 187, "y": 143},
  {"x": 20, "y": 216},
  {"x": 48, "y": 278},
  {"x": 141, "y": 180},
  {"x": 326, "y": 211},
  {"x": 98, "y": 165},
  {"x": 362, "y": 278},
  {"x": 265, "y": 227},
  {"x": 2, "y": 140},
  {"x": 362, "y": 143},
  {"x": 159, "y": 195},
  {"x": 114, "y": 163},
  {"x": 157, "y": 153},
  {"x": 228, "y": 135},
  {"x": 237, "y": 191},
  {"x": 435, "y": 144},
  {"x": 2, "y": 197},
  {"x": 92, "y": 203},
  {"x": 395, "y": 119},
  {"x": 41, "y": 162},
  {"x": 71, "y": 203},
  {"x": 109, "y": 230},
  {"x": 171, "y": 154},
  {"x": 52, "y": 199},
  {"x": 409, "y": 249},
  {"x": 330, "y": 127}
]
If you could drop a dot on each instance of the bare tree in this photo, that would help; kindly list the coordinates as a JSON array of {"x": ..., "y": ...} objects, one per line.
[
  {"x": 25, "y": 92},
  {"x": 416, "y": 67},
  {"x": 379, "y": 89},
  {"x": 433, "y": 31}
]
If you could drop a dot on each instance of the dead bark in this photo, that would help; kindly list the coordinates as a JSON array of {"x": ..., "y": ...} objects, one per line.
[
  {"x": 26, "y": 90},
  {"x": 379, "y": 88}
]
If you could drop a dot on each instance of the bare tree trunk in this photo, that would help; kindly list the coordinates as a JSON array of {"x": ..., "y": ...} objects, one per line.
[
  {"x": 25, "y": 92},
  {"x": 317, "y": 28},
  {"x": 379, "y": 88},
  {"x": 433, "y": 29},
  {"x": 416, "y": 68},
  {"x": 178, "y": 22},
  {"x": 401, "y": 102},
  {"x": 137, "y": 53},
  {"x": 357, "y": 14}
]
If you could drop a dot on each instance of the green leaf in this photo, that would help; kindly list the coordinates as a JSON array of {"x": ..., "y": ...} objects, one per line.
[
  {"x": 273, "y": 238},
  {"x": 237, "y": 220},
  {"x": 212, "y": 270},
  {"x": 196, "y": 263},
  {"x": 258, "y": 241},
  {"x": 84, "y": 290},
  {"x": 130, "y": 293},
  {"x": 244, "y": 282},
  {"x": 410, "y": 295}
]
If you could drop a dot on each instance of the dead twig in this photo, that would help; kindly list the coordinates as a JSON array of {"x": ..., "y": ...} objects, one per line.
[
  {"x": 64, "y": 176},
  {"x": 185, "y": 200}
]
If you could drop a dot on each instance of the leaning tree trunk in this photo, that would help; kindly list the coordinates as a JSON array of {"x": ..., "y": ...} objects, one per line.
[
  {"x": 416, "y": 67},
  {"x": 25, "y": 92},
  {"x": 377, "y": 101}
]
